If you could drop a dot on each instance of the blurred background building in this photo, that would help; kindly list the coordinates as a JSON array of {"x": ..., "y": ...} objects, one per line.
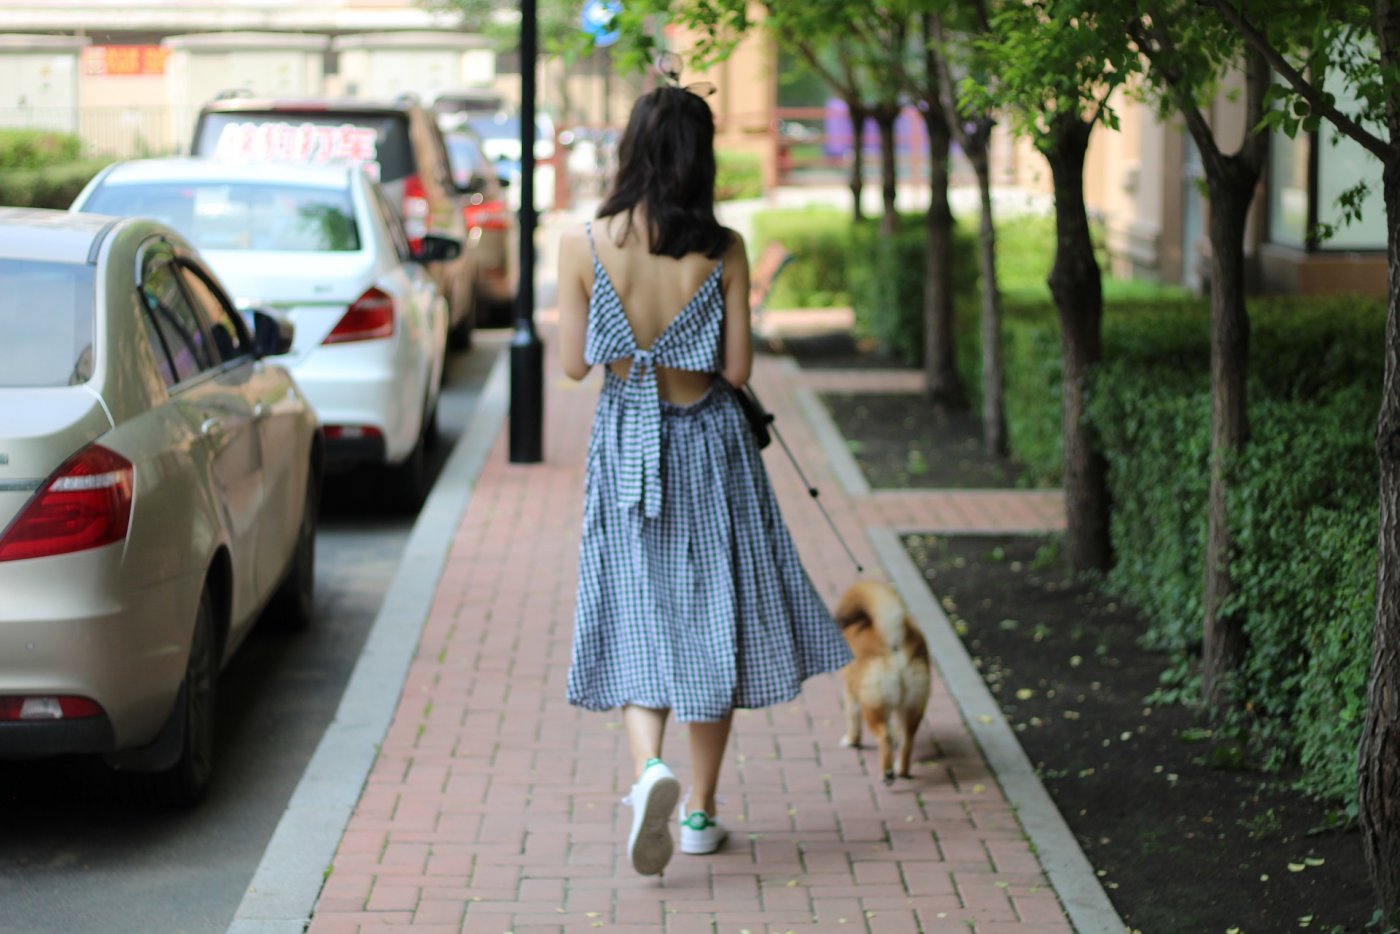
[{"x": 129, "y": 76}]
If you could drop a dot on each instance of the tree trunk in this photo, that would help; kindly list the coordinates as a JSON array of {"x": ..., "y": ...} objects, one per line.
[
  {"x": 1378, "y": 760},
  {"x": 885, "y": 116},
  {"x": 993, "y": 404},
  {"x": 858, "y": 115},
  {"x": 942, "y": 385},
  {"x": 1231, "y": 191},
  {"x": 1077, "y": 286}
]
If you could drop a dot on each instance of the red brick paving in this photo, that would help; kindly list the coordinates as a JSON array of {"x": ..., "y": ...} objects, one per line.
[{"x": 494, "y": 805}]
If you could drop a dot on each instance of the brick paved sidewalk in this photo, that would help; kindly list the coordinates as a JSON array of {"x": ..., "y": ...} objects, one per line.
[{"x": 494, "y": 805}]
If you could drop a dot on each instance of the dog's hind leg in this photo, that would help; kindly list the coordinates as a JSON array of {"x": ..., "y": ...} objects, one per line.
[
  {"x": 909, "y": 725},
  {"x": 877, "y": 719},
  {"x": 852, "y": 737}
]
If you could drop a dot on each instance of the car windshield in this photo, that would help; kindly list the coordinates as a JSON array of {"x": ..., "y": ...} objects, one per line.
[
  {"x": 46, "y": 317},
  {"x": 218, "y": 215},
  {"x": 379, "y": 141}
]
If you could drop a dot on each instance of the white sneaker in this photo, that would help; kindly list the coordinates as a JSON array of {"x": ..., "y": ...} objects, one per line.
[
  {"x": 653, "y": 799},
  {"x": 701, "y": 834}
]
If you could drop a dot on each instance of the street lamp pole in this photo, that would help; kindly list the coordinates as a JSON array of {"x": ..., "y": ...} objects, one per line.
[{"x": 526, "y": 350}]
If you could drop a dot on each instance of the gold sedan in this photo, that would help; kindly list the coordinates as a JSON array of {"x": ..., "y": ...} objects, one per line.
[{"x": 158, "y": 491}]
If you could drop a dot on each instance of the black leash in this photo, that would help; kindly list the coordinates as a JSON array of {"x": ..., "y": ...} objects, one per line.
[{"x": 765, "y": 430}]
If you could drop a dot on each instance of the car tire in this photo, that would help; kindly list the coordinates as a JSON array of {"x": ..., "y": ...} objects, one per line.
[
  {"x": 460, "y": 337},
  {"x": 500, "y": 313},
  {"x": 409, "y": 479},
  {"x": 185, "y": 783},
  {"x": 293, "y": 606},
  {"x": 432, "y": 433}
]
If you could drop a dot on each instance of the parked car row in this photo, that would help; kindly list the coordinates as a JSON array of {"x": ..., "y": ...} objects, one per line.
[
  {"x": 158, "y": 488},
  {"x": 182, "y": 355}
]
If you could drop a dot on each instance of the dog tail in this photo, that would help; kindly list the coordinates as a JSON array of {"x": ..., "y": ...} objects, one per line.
[{"x": 871, "y": 604}]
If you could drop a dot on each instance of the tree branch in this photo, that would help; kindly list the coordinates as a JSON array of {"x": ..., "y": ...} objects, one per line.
[
  {"x": 826, "y": 74},
  {"x": 1304, "y": 88},
  {"x": 951, "y": 110},
  {"x": 1158, "y": 54}
]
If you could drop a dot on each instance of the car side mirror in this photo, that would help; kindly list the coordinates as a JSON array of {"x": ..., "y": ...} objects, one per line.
[
  {"x": 272, "y": 332},
  {"x": 436, "y": 248}
]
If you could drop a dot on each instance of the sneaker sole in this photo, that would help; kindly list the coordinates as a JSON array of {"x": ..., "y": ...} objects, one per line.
[
  {"x": 651, "y": 846},
  {"x": 703, "y": 849}
]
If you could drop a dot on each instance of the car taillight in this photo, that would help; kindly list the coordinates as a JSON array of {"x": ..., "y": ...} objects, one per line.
[
  {"x": 415, "y": 210},
  {"x": 85, "y": 504},
  {"x": 369, "y": 317},
  {"x": 47, "y": 708},
  {"x": 488, "y": 215},
  {"x": 351, "y": 432}
]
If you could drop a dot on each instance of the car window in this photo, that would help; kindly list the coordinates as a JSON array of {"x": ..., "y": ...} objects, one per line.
[
  {"x": 469, "y": 164},
  {"x": 393, "y": 222},
  {"x": 443, "y": 165},
  {"x": 219, "y": 215},
  {"x": 46, "y": 320},
  {"x": 173, "y": 319},
  {"x": 230, "y": 337},
  {"x": 378, "y": 140}
]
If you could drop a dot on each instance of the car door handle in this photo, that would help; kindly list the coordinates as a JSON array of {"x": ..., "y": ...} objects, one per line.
[{"x": 210, "y": 426}]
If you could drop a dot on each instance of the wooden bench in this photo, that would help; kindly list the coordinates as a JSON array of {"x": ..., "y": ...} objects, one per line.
[{"x": 771, "y": 262}]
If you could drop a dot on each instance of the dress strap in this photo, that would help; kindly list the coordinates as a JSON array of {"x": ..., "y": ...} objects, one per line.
[{"x": 588, "y": 228}]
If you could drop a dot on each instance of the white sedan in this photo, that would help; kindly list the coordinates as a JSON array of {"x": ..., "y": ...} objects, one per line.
[
  {"x": 158, "y": 488},
  {"x": 324, "y": 246}
]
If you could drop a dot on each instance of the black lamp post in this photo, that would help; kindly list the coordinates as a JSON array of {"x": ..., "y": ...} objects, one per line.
[{"x": 526, "y": 350}]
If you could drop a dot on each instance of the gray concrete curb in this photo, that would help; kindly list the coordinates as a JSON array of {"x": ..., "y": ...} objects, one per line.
[
  {"x": 284, "y": 888},
  {"x": 1069, "y": 871}
]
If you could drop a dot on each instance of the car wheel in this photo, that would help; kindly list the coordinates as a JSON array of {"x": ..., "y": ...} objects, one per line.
[
  {"x": 409, "y": 479},
  {"x": 431, "y": 433},
  {"x": 294, "y": 605},
  {"x": 499, "y": 314},
  {"x": 185, "y": 783},
  {"x": 460, "y": 337}
]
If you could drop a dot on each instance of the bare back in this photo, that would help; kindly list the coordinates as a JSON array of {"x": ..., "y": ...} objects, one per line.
[{"x": 653, "y": 290}]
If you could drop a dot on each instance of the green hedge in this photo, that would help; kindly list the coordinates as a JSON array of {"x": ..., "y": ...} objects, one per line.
[
  {"x": 34, "y": 149},
  {"x": 819, "y": 240},
  {"x": 51, "y": 187},
  {"x": 738, "y": 175},
  {"x": 837, "y": 264},
  {"x": 1302, "y": 510},
  {"x": 887, "y": 276}
]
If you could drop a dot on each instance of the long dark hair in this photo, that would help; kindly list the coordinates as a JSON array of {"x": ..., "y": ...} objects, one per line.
[{"x": 666, "y": 162}]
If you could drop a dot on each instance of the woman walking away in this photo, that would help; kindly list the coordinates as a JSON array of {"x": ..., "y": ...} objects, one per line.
[{"x": 691, "y": 596}]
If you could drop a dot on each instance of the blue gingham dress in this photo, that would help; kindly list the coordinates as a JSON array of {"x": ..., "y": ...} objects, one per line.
[{"x": 691, "y": 596}]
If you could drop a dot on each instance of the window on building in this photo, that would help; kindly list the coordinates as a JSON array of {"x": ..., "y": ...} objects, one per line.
[{"x": 1308, "y": 174}]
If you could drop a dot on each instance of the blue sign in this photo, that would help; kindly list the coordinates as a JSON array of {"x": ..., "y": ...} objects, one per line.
[{"x": 597, "y": 21}]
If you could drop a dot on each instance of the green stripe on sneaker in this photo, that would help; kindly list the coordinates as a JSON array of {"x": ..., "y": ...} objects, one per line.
[
  {"x": 651, "y": 762},
  {"x": 698, "y": 820}
]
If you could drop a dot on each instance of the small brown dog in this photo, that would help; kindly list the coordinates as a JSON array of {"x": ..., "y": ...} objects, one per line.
[{"x": 888, "y": 681}]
